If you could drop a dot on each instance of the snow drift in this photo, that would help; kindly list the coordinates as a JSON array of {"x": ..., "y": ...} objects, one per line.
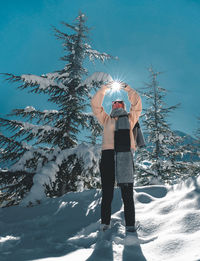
[{"x": 66, "y": 228}]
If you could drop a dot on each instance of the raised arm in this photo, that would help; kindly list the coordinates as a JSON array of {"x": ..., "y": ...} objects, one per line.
[
  {"x": 96, "y": 103},
  {"x": 136, "y": 104}
]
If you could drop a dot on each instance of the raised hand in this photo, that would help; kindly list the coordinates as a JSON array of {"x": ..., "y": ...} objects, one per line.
[{"x": 124, "y": 85}]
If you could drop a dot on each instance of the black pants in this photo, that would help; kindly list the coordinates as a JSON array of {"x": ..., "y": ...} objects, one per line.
[{"x": 107, "y": 170}]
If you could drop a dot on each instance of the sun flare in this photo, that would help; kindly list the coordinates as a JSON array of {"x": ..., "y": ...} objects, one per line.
[{"x": 116, "y": 86}]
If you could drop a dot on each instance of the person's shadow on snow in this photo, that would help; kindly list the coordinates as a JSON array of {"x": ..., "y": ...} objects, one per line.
[
  {"x": 132, "y": 249},
  {"x": 103, "y": 248}
]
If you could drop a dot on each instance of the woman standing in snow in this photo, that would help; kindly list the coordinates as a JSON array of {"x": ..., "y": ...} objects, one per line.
[{"x": 116, "y": 157}]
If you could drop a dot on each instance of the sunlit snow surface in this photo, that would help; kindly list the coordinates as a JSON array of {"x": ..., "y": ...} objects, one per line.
[{"x": 66, "y": 228}]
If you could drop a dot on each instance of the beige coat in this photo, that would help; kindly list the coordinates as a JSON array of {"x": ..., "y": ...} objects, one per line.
[{"x": 108, "y": 123}]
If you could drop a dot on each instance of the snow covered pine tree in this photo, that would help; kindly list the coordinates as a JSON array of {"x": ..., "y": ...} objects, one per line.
[
  {"x": 160, "y": 161},
  {"x": 44, "y": 150}
]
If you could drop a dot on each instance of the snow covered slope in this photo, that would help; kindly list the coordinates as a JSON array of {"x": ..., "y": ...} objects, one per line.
[{"x": 66, "y": 228}]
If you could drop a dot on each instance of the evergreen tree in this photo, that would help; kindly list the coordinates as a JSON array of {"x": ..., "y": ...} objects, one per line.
[
  {"x": 158, "y": 163},
  {"x": 38, "y": 141}
]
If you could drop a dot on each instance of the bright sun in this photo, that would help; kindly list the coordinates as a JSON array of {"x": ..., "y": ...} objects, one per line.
[{"x": 116, "y": 86}]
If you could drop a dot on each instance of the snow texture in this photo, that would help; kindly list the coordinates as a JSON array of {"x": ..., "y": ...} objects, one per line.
[{"x": 66, "y": 228}]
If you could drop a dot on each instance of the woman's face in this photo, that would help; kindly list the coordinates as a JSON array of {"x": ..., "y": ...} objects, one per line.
[{"x": 117, "y": 104}]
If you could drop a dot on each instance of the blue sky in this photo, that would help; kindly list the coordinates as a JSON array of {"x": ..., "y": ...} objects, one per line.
[{"x": 140, "y": 32}]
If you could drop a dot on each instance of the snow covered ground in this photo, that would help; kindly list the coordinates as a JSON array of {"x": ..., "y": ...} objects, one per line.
[{"x": 66, "y": 228}]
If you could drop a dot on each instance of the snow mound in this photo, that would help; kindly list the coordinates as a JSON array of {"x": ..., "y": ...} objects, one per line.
[{"x": 66, "y": 228}]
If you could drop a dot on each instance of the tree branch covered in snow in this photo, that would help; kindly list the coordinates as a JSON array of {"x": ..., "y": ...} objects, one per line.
[
  {"x": 46, "y": 174},
  {"x": 30, "y": 113},
  {"x": 94, "y": 54}
]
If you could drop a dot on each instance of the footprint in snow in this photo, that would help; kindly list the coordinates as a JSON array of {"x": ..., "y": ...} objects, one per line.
[{"x": 133, "y": 239}]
